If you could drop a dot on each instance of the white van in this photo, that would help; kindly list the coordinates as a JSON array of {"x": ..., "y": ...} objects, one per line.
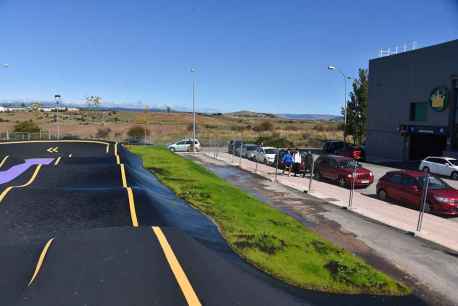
[{"x": 184, "y": 145}]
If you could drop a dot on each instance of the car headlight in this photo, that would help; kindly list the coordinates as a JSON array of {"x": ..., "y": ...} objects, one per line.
[{"x": 442, "y": 199}]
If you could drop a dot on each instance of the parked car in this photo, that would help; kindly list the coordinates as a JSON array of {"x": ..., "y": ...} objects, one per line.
[
  {"x": 338, "y": 147},
  {"x": 406, "y": 186},
  {"x": 446, "y": 166},
  {"x": 340, "y": 169},
  {"x": 266, "y": 155},
  {"x": 232, "y": 145},
  {"x": 184, "y": 145},
  {"x": 249, "y": 150}
]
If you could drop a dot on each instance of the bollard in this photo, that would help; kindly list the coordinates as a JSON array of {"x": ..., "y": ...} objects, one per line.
[
  {"x": 424, "y": 199},
  {"x": 256, "y": 161},
  {"x": 241, "y": 148},
  {"x": 276, "y": 166},
  {"x": 352, "y": 186},
  {"x": 311, "y": 175}
]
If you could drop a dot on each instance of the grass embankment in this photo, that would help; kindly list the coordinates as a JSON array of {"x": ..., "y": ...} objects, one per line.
[{"x": 264, "y": 236}]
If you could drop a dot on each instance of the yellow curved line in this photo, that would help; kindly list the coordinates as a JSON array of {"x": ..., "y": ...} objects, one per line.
[
  {"x": 118, "y": 159},
  {"x": 107, "y": 144},
  {"x": 41, "y": 259},
  {"x": 30, "y": 181},
  {"x": 133, "y": 212},
  {"x": 182, "y": 280},
  {"x": 130, "y": 196},
  {"x": 3, "y": 160}
]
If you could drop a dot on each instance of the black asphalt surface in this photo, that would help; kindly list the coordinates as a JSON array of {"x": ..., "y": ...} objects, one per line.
[{"x": 97, "y": 257}]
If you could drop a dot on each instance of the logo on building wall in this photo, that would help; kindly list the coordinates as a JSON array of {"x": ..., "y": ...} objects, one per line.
[{"x": 439, "y": 99}]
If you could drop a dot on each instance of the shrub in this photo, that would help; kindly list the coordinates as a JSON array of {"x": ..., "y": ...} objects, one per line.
[
  {"x": 264, "y": 126},
  {"x": 103, "y": 132},
  {"x": 26, "y": 127},
  {"x": 137, "y": 131},
  {"x": 274, "y": 140}
]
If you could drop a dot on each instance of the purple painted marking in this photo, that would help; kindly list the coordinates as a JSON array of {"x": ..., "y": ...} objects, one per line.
[{"x": 15, "y": 171}]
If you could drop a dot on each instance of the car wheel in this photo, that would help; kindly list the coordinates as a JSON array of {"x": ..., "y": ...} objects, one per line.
[
  {"x": 172, "y": 149},
  {"x": 426, "y": 169},
  {"x": 342, "y": 182},
  {"x": 381, "y": 194},
  {"x": 454, "y": 175}
]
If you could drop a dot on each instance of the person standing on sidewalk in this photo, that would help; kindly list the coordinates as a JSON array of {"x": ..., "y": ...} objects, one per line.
[
  {"x": 297, "y": 159},
  {"x": 287, "y": 161}
]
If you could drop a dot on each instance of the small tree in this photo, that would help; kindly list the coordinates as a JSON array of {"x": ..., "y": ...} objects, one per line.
[
  {"x": 137, "y": 131},
  {"x": 357, "y": 108},
  {"x": 28, "y": 126}
]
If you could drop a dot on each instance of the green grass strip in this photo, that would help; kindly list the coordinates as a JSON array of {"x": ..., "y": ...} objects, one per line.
[{"x": 267, "y": 238}]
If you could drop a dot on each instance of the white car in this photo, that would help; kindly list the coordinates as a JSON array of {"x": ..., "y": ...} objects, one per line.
[
  {"x": 183, "y": 145},
  {"x": 266, "y": 155},
  {"x": 446, "y": 166}
]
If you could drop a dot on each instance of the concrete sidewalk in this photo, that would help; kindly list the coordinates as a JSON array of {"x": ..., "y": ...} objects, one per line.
[{"x": 435, "y": 229}]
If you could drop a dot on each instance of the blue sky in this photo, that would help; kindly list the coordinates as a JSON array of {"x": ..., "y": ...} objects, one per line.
[{"x": 265, "y": 55}]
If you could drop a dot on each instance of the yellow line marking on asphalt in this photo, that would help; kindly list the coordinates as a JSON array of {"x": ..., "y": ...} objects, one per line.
[
  {"x": 107, "y": 144},
  {"x": 133, "y": 212},
  {"x": 176, "y": 268},
  {"x": 130, "y": 193},
  {"x": 57, "y": 161},
  {"x": 41, "y": 259},
  {"x": 30, "y": 181},
  {"x": 3, "y": 160},
  {"x": 53, "y": 150},
  {"x": 118, "y": 159},
  {"x": 123, "y": 176}
]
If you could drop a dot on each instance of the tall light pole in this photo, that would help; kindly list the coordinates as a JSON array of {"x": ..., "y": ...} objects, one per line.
[
  {"x": 345, "y": 77},
  {"x": 193, "y": 111},
  {"x": 57, "y": 98}
]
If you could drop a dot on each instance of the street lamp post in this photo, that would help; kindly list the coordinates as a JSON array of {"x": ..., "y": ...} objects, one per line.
[
  {"x": 57, "y": 99},
  {"x": 193, "y": 112},
  {"x": 345, "y": 77}
]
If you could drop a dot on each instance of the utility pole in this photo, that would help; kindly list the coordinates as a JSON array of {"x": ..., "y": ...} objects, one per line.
[
  {"x": 57, "y": 99},
  {"x": 346, "y": 78},
  {"x": 193, "y": 112}
]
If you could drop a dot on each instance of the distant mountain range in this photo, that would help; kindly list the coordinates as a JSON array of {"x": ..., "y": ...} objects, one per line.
[
  {"x": 140, "y": 108},
  {"x": 324, "y": 117}
]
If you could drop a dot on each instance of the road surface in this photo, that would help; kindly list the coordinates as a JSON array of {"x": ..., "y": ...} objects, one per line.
[{"x": 82, "y": 223}]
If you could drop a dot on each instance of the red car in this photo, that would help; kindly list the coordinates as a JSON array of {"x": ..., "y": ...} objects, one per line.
[
  {"x": 407, "y": 187},
  {"x": 340, "y": 169}
]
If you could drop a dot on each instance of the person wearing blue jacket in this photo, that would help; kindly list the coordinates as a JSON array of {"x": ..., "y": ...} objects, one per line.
[{"x": 287, "y": 161}]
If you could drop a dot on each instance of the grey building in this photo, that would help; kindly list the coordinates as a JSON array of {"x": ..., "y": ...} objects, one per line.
[{"x": 412, "y": 104}]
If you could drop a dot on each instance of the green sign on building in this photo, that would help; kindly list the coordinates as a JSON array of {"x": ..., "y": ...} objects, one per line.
[{"x": 439, "y": 99}]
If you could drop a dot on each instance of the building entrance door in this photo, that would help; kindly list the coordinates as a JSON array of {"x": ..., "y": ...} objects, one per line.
[{"x": 422, "y": 146}]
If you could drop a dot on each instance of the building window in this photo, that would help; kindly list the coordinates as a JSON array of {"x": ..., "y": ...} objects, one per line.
[{"x": 418, "y": 111}]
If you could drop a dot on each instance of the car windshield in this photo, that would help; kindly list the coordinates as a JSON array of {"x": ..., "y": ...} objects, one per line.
[
  {"x": 434, "y": 182},
  {"x": 250, "y": 148},
  {"x": 349, "y": 164},
  {"x": 270, "y": 151},
  {"x": 453, "y": 162}
]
